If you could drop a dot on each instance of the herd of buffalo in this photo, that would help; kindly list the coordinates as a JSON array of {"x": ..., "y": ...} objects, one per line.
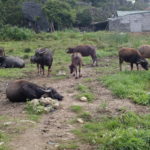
[{"x": 21, "y": 90}]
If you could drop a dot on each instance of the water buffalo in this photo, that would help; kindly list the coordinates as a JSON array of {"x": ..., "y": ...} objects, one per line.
[
  {"x": 76, "y": 62},
  {"x": 85, "y": 50},
  {"x": 2, "y": 52},
  {"x": 21, "y": 91},
  {"x": 132, "y": 56},
  {"x": 11, "y": 62},
  {"x": 145, "y": 51},
  {"x": 43, "y": 57}
]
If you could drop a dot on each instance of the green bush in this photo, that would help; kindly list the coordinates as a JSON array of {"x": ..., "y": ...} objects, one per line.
[{"x": 15, "y": 33}]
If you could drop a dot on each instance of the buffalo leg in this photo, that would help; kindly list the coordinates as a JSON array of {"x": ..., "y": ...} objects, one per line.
[
  {"x": 120, "y": 63},
  {"x": 137, "y": 66},
  {"x": 42, "y": 67},
  {"x": 94, "y": 58},
  {"x": 80, "y": 71},
  {"x": 38, "y": 68},
  {"x": 76, "y": 72},
  {"x": 131, "y": 64},
  {"x": 49, "y": 70}
]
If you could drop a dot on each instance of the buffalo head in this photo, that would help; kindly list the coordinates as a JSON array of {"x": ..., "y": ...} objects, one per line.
[
  {"x": 143, "y": 63},
  {"x": 71, "y": 67},
  {"x": 50, "y": 92},
  {"x": 70, "y": 50}
]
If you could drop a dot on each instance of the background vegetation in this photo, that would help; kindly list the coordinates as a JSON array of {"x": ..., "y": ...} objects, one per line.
[{"x": 65, "y": 13}]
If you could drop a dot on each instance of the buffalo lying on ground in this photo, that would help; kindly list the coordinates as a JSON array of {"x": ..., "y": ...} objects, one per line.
[
  {"x": 76, "y": 62},
  {"x": 21, "y": 91},
  {"x": 132, "y": 56},
  {"x": 2, "y": 52},
  {"x": 85, "y": 50},
  {"x": 145, "y": 51},
  {"x": 11, "y": 62},
  {"x": 43, "y": 57}
]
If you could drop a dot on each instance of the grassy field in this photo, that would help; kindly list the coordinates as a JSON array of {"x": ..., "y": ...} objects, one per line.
[{"x": 128, "y": 131}]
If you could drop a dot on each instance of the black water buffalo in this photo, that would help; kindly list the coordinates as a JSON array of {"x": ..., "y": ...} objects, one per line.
[
  {"x": 2, "y": 52},
  {"x": 43, "y": 57},
  {"x": 85, "y": 50},
  {"x": 21, "y": 91},
  {"x": 11, "y": 62},
  {"x": 132, "y": 56}
]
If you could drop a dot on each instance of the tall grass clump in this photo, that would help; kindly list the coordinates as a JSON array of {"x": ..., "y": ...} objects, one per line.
[
  {"x": 15, "y": 33},
  {"x": 132, "y": 85},
  {"x": 125, "y": 132},
  {"x": 85, "y": 91},
  {"x": 3, "y": 140}
]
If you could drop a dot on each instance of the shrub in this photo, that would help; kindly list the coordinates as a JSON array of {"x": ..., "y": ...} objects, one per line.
[{"x": 15, "y": 33}]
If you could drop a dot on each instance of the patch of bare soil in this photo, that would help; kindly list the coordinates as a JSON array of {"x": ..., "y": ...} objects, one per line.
[{"x": 56, "y": 128}]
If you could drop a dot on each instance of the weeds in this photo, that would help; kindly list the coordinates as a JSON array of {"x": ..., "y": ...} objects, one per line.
[
  {"x": 85, "y": 92},
  {"x": 68, "y": 146},
  {"x": 86, "y": 116},
  {"x": 76, "y": 108}
]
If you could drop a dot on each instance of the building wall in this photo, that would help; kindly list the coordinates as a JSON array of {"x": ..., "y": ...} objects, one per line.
[{"x": 131, "y": 23}]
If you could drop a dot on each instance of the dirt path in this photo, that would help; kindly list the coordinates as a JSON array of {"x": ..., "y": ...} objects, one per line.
[{"x": 55, "y": 128}]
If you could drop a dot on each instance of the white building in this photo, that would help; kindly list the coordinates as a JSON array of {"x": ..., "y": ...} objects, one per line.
[{"x": 130, "y": 21}]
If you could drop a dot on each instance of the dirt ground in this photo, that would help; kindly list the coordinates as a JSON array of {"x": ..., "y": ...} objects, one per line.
[{"x": 56, "y": 128}]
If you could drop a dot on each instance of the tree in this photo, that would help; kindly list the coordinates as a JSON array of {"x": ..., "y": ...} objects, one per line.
[
  {"x": 10, "y": 11},
  {"x": 84, "y": 18},
  {"x": 59, "y": 14}
]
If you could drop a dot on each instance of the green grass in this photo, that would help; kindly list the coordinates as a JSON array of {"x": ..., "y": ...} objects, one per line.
[
  {"x": 85, "y": 91},
  {"x": 125, "y": 132},
  {"x": 107, "y": 44},
  {"x": 86, "y": 116},
  {"x": 68, "y": 146},
  {"x": 76, "y": 108},
  {"x": 133, "y": 85},
  {"x": 4, "y": 138}
]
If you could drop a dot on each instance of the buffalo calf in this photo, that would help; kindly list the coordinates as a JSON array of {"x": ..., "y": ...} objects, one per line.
[{"x": 76, "y": 64}]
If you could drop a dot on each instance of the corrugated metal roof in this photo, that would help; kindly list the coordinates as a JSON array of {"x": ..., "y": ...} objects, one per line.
[{"x": 124, "y": 13}]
